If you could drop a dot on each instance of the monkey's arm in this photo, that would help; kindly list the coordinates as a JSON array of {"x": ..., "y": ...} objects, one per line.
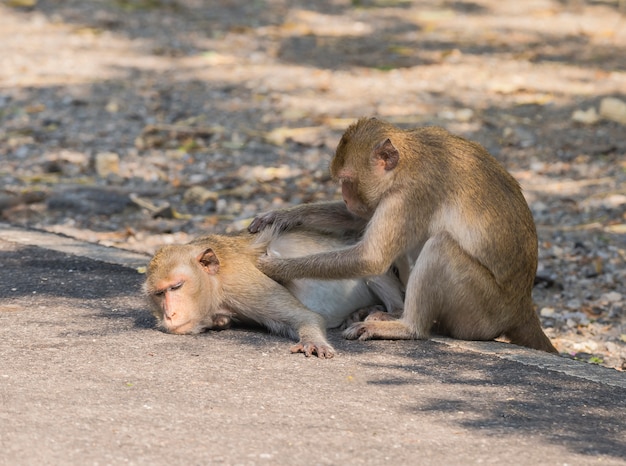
[
  {"x": 383, "y": 241},
  {"x": 273, "y": 306},
  {"x": 349, "y": 262},
  {"x": 327, "y": 217}
]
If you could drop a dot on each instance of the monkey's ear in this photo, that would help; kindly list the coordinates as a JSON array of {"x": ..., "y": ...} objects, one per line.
[
  {"x": 209, "y": 261},
  {"x": 386, "y": 155}
]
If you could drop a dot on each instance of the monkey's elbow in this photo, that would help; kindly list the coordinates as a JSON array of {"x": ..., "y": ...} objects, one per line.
[{"x": 375, "y": 266}]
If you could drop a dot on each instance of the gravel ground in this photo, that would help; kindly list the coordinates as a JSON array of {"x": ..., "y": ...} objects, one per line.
[{"x": 135, "y": 123}]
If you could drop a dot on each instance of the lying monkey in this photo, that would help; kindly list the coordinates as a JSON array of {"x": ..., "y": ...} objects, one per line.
[{"x": 213, "y": 282}]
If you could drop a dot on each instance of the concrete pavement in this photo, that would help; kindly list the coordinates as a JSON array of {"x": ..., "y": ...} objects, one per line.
[{"x": 86, "y": 379}]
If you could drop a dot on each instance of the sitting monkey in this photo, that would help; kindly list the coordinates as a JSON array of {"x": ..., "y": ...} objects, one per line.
[
  {"x": 443, "y": 211},
  {"x": 213, "y": 281}
]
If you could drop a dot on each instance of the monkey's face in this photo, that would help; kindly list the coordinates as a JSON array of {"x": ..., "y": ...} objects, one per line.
[
  {"x": 362, "y": 188},
  {"x": 182, "y": 297},
  {"x": 344, "y": 171},
  {"x": 353, "y": 199},
  {"x": 364, "y": 163},
  {"x": 174, "y": 303}
]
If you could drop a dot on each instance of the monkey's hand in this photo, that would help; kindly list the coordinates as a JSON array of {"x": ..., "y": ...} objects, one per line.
[
  {"x": 272, "y": 267},
  {"x": 261, "y": 221},
  {"x": 281, "y": 219},
  {"x": 323, "y": 350}
]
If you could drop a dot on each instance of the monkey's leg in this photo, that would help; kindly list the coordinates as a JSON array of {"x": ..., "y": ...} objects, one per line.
[
  {"x": 467, "y": 302},
  {"x": 273, "y": 306},
  {"x": 311, "y": 332},
  {"x": 446, "y": 286}
]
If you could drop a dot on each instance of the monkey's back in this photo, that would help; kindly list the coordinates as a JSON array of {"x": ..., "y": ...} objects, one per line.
[
  {"x": 482, "y": 205},
  {"x": 334, "y": 299}
]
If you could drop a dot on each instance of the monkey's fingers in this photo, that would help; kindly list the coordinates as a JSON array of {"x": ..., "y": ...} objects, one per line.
[
  {"x": 322, "y": 350},
  {"x": 271, "y": 267},
  {"x": 261, "y": 221}
]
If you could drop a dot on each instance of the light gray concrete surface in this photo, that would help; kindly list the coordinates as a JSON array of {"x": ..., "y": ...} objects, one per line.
[{"x": 86, "y": 379}]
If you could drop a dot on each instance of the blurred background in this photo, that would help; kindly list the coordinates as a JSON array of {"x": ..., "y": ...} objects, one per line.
[{"x": 134, "y": 123}]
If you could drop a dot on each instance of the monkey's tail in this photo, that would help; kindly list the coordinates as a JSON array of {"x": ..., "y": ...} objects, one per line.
[{"x": 530, "y": 334}]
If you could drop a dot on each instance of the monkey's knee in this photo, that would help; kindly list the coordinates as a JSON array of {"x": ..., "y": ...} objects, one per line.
[{"x": 448, "y": 291}]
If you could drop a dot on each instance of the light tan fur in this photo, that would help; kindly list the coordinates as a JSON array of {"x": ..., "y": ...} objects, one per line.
[{"x": 213, "y": 281}]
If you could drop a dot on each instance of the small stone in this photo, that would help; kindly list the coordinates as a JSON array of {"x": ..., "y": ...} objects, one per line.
[
  {"x": 586, "y": 346},
  {"x": 615, "y": 348},
  {"x": 612, "y": 297},
  {"x": 199, "y": 195},
  {"x": 588, "y": 117},
  {"x": 614, "y": 200},
  {"x": 574, "y": 304},
  {"x": 546, "y": 312},
  {"x": 221, "y": 206},
  {"x": 464, "y": 114},
  {"x": 613, "y": 109},
  {"x": 263, "y": 174},
  {"x": 107, "y": 163}
]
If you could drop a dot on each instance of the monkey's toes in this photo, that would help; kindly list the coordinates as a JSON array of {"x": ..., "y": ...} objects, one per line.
[
  {"x": 356, "y": 331},
  {"x": 322, "y": 350},
  {"x": 360, "y": 315}
]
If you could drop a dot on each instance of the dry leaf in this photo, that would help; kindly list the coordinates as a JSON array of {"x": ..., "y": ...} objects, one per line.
[{"x": 20, "y": 3}]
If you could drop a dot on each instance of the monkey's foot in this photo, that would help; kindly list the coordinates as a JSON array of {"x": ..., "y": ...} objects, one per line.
[
  {"x": 379, "y": 330},
  {"x": 322, "y": 350},
  {"x": 361, "y": 314},
  {"x": 382, "y": 316},
  {"x": 376, "y": 312}
]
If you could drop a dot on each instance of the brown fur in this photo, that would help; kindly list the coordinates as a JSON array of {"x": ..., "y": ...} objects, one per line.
[{"x": 446, "y": 214}]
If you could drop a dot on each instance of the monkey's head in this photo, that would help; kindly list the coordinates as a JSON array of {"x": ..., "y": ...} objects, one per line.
[
  {"x": 364, "y": 164},
  {"x": 184, "y": 289}
]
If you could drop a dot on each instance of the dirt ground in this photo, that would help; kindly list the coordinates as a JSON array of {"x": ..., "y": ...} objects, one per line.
[{"x": 135, "y": 123}]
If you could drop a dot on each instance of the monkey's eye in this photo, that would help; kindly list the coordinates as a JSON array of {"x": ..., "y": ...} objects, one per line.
[
  {"x": 176, "y": 287},
  {"x": 162, "y": 292}
]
